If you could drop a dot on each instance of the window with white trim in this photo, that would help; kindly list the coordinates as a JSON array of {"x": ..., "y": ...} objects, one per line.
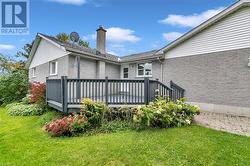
[
  {"x": 144, "y": 70},
  {"x": 53, "y": 68},
  {"x": 33, "y": 72}
]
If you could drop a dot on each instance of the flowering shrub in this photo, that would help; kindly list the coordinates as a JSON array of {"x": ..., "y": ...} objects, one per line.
[
  {"x": 20, "y": 109},
  {"x": 38, "y": 93},
  {"x": 96, "y": 118},
  {"x": 26, "y": 100},
  {"x": 68, "y": 125},
  {"x": 93, "y": 111},
  {"x": 165, "y": 114}
]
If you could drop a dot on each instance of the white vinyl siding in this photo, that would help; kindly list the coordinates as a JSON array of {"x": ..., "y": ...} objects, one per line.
[
  {"x": 45, "y": 53},
  {"x": 233, "y": 32}
]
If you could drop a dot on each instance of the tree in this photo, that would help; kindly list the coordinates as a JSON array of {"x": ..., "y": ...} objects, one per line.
[
  {"x": 25, "y": 52},
  {"x": 13, "y": 87},
  {"x": 9, "y": 65},
  {"x": 63, "y": 37},
  {"x": 14, "y": 82},
  {"x": 84, "y": 43}
]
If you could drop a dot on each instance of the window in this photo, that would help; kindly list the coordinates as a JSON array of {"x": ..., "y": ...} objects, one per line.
[
  {"x": 125, "y": 72},
  {"x": 144, "y": 70},
  {"x": 140, "y": 69},
  {"x": 33, "y": 72},
  {"x": 53, "y": 68}
]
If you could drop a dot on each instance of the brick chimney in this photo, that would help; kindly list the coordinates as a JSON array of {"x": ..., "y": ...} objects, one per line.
[{"x": 101, "y": 39}]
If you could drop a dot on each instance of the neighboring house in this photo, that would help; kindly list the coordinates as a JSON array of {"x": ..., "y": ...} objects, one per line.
[{"x": 211, "y": 62}]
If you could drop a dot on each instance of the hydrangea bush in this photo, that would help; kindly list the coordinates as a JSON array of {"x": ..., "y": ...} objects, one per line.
[
  {"x": 20, "y": 109},
  {"x": 94, "y": 111},
  {"x": 165, "y": 114}
]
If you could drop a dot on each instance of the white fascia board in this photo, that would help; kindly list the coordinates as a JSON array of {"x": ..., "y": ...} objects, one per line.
[{"x": 57, "y": 45}]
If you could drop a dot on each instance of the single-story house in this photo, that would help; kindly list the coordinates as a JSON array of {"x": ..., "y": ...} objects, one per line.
[{"x": 211, "y": 62}]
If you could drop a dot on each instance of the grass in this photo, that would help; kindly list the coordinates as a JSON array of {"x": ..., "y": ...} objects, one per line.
[{"x": 22, "y": 142}]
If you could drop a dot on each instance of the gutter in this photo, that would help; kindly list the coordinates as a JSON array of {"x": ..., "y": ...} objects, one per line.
[
  {"x": 161, "y": 62},
  {"x": 142, "y": 59},
  {"x": 90, "y": 56}
]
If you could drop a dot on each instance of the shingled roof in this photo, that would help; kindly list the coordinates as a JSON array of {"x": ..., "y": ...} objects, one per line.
[
  {"x": 82, "y": 50},
  {"x": 141, "y": 56},
  {"x": 93, "y": 53}
]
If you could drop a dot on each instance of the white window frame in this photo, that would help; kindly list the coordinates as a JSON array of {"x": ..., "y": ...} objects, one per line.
[
  {"x": 144, "y": 70},
  {"x": 50, "y": 68},
  {"x": 33, "y": 72}
]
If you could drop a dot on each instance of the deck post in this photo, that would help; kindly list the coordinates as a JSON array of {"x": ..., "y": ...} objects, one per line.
[
  {"x": 106, "y": 90},
  {"x": 146, "y": 90},
  {"x": 64, "y": 94}
]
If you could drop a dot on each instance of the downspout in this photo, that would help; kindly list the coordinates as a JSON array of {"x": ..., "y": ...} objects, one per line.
[
  {"x": 78, "y": 77},
  {"x": 161, "y": 79},
  {"x": 78, "y": 67}
]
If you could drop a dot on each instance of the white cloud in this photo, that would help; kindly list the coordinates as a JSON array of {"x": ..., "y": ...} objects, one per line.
[
  {"x": 117, "y": 34},
  {"x": 4, "y": 47},
  {"x": 171, "y": 36},
  {"x": 72, "y": 2},
  {"x": 190, "y": 20}
]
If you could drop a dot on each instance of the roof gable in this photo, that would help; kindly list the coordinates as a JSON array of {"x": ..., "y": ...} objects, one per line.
[{"x": 46, "y": 52}]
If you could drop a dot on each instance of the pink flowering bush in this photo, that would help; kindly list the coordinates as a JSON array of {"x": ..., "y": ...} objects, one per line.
[
  {"x": 68, "y": 125},
  {"x": 38, "y": 93}
]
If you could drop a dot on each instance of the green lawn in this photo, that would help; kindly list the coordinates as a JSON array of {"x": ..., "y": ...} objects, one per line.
[{"x": 22, "y": 142}]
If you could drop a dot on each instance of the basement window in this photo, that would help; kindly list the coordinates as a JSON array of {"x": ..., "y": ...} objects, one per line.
[
  {"x": 144, "y": 70},
  {"x": 53, "y": 68}
]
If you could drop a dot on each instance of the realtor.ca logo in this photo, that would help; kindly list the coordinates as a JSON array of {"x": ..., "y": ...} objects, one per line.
[{"x": 14, "y": 16}]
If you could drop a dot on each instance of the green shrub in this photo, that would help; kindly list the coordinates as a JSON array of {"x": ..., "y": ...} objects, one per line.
[
  {"x": 119, "y": 113},
  {"x": 26, "y": 100},
  {"x": 13, "y": 87},
  {"x": 20, "y": 109},
  {"x": 96, "y": 118},
  {"x": 93, "y": 111},
  {"x": 49, "y": 116},
  {"x": 165, "y": 114}
]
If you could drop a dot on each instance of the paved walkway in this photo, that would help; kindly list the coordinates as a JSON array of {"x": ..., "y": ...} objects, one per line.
[{"x": 229, "y": 123}]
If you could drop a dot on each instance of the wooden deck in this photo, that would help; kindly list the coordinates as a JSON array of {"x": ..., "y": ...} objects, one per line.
[{"x": 66, "y": 94}]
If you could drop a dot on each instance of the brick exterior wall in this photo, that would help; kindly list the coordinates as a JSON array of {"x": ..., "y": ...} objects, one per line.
[{"x": 217, "y": 78}]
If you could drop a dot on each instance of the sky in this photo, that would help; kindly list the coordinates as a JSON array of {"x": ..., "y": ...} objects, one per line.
[{"x": 132, "y": 26}]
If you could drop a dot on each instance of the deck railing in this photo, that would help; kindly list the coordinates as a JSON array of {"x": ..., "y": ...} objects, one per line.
[
  {"x": 111, "y": 91},
  {"x": 177, "y": 91}
]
